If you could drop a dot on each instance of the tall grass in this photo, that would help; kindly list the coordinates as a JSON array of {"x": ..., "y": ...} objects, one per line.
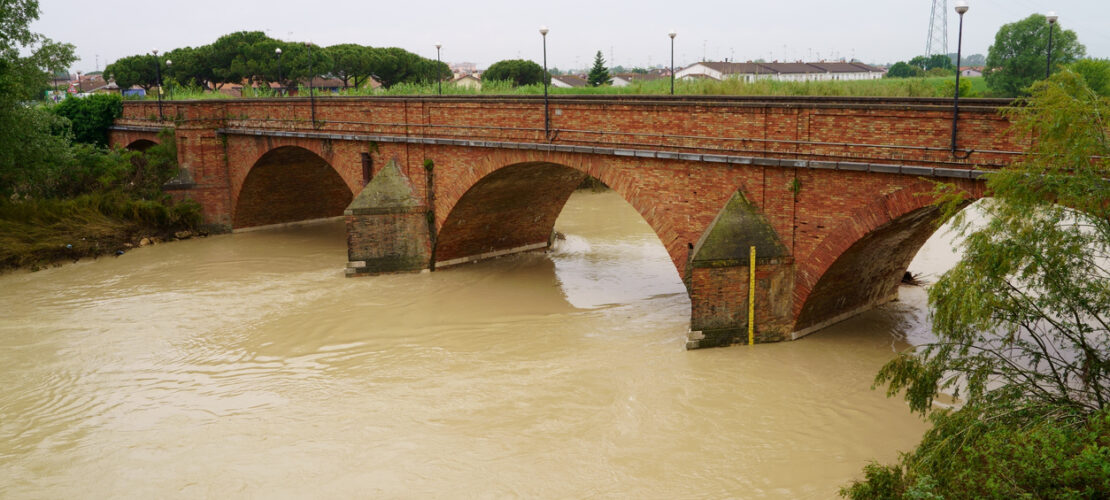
[
  {"x": 885, "y": 87},
  {"x": 36, "y": 232}
]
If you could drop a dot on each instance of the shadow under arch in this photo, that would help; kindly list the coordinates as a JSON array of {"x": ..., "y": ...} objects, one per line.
[
  {"x": 289, "y": 184},
  {"x": 141, "y": 145},
  {"x": 873, "y": 250},
  {"x": 510, "y": 209}
]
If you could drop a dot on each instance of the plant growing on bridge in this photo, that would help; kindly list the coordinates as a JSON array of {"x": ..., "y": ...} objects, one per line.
[{"x": 1022, "y": 323}]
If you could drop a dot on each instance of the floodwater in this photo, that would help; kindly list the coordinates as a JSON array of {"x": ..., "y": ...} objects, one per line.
[{"x": 247, "y": 366}]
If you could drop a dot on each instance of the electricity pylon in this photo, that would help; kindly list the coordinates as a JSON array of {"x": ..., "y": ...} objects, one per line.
[{"x": 938, "y": 29}]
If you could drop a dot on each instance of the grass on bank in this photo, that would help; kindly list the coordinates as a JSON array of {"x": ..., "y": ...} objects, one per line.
[
  {"x": 885, "y": 87},
  {"x": 38, "y": 232}
]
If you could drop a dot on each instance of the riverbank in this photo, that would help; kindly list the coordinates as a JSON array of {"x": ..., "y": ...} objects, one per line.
[{"x": 39, "y": 233}]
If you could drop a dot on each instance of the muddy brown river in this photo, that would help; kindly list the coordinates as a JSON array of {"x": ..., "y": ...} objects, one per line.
[{"x": 247, "y": 366}]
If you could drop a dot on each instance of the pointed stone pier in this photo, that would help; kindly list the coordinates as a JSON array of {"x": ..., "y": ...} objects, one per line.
[{"x": 387, "y": 227}]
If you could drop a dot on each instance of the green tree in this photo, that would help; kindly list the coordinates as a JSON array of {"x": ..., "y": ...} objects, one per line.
[
  {"x": 191, "y": 67},
  {"x": 351, "y": 63},
  {"x": 1022, "y": 323},
  {"x": 134, "y": 70},
  {"x": 903, "y": 70},
  {"x": 599, "y": 75},
  {"x": 1019, "y": 54},
  {"x": 1096, "y": 72},
  {"x": 516, "y": 71},
  {"x": 33, "y": 142},
  {"x": 90, "y": 117}
]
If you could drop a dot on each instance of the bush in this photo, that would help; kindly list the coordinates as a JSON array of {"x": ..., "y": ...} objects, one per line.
[
  {"x": 91, "y": 116},
  {"x": 1026, "y": 455},
  {"x": 518, "y": 71}
]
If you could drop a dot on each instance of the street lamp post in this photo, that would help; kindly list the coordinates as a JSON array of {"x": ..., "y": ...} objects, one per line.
[
  {"x": 1051, "y": 24},
  {"x": 169, "y": 62},
  {"x": 439, "y": 79},
  {"x": 278, "y": 52},
  {"x": 311, "y": 90},
  {"x": 672, "y": 35},
  {"x": 546, "y": 116},
  {"x": 961, "y": 8},
  {"x": 158, "y": 78}
]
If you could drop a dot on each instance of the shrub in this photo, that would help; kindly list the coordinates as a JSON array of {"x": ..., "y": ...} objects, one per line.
[{"x": 91, "y": 116}]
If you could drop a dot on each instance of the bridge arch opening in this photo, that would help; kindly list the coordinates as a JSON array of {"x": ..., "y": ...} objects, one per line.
[
  {"x": 141, "y": 145},
  {"x": 869, "y": 271},
  {"x": 509, "y": 210},
  {"x": 516, "y": 208},
  {"x": 290, "y": 184}
]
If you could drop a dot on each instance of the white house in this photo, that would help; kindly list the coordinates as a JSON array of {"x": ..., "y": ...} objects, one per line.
[
  {"x": 567, "y": 81},
  {"x": 790, "y": 72}
]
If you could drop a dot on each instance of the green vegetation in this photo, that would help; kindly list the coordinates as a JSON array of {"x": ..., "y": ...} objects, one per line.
[
  {"x": 888, "y": 87},
  {"x": 252, "y": 57},
  {"x": 599, "y": 74},
  {"x": 90, "y": 117},
  {"x": 1022, "y": 325},
  {"x": 1019, "y": 54},
  {"x": 515, "y": 71},
  {"x": 63, "y": 194}
]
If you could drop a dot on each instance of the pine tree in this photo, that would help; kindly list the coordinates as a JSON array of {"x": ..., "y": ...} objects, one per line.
[{"x": 599, "y": 74}]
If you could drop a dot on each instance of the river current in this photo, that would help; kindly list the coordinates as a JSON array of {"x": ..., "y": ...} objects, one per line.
[{"x": 247, "y": 366}]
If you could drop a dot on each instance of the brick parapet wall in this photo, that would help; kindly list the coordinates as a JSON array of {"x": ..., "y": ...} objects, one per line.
[{"x": 904, "y": 131}]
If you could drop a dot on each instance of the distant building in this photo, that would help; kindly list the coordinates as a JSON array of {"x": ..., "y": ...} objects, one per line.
[
  {"x": 971, "y": 70},
  {"x": 781, "y": 71},
  {"x": 467, "y": 81},
  {"x": 463, "y": 68},
  {"x": 568, "y": 81}
]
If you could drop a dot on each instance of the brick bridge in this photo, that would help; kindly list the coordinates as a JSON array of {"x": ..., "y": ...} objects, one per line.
[{"x": 833, "y": 192}]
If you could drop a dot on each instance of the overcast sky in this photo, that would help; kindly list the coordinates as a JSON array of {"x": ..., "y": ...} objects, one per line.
[{"x": 629, "y": 33}]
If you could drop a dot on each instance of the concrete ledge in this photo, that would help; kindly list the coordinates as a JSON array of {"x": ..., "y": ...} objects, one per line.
[
  {"x": 308, "y": 222},
  {"x": 490, "y": 255},
  {"x": 841, "y": 317}
]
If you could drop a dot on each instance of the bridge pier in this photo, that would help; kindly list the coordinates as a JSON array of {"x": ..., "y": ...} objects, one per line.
[
  {"x": 387, "y": 227},
  {"x": 718, "y": 277}
]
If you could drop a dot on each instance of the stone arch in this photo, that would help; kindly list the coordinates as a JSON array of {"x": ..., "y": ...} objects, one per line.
[
  {"x": 287, "y": 184},
  {"x": 862, "y": 261},
  {"x": 619, "y": 174},
  {"x": 510, "y": 209},
  {"x": 141, "y": 145}
]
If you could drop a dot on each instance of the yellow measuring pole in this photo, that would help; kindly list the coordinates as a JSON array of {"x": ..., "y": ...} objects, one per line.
[{"x": 751, "y": 297}]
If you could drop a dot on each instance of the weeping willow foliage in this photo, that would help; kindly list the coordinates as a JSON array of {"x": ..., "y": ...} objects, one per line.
[{"x": 1022, "y": 324}]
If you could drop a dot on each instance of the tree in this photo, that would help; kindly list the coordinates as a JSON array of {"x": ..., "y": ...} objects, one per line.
[
  {"x": 90, "y": 117},
  {"x": 903, "y": 70},
  {"x": 33, "y": 142},
  {"x": 191, "y": 67},
  {"x": 516, "y": 71},
  {"x": 1019, "y": 54},
  {"x": 1022, "y": 323},
  {"x": 920, "y": 62},
  {"x": 599, "y": 75},
  {"x": 1096, "y": 72},
  {"x": 138, "y": 70},
  {"x": 351, "y": 63}
]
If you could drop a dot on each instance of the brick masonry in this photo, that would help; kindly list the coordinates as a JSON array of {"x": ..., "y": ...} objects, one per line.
[{"x": 848, "y": 232}]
